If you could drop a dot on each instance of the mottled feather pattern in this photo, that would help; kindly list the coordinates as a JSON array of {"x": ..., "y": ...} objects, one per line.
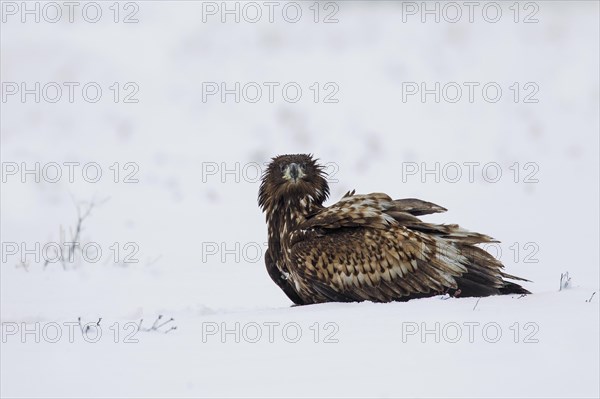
[
  {"x": 375, "y": 264},
  {"x": 367, "y": 247}
]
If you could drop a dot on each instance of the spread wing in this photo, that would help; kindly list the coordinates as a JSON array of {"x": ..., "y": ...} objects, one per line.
[{"x": 370, "y": 247}]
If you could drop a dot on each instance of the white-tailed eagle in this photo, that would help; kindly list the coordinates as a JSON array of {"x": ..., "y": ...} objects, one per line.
[{"x": 366, "y": 247}]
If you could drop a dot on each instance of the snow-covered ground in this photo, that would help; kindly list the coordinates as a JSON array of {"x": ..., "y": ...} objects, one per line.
[{"x": 183, "y": 204}]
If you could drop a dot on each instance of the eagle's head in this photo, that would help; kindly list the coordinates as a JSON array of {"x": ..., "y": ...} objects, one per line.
[{"x": 293, "y": 177}]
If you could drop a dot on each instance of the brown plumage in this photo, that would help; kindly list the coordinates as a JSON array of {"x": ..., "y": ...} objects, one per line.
[{"x": 366, "y": 247}]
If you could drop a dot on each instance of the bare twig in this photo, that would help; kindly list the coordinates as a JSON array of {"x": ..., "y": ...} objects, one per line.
[
  {"x": 565, "y": 281},
  {"x": 590, "y": 300},
  {"x": 156, "y": 322},
  {"x": 156, "y": 326},
  {"x": 165, "y": 323},
  {"x": 80, "y": 218},
  {"x": 82, "y": 215}
]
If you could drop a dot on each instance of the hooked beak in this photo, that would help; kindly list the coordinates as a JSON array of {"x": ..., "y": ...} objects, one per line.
[{"x": 293, "y": 172}]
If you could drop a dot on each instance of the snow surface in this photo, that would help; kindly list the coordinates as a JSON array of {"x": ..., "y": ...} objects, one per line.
[{"x": 548, "y": 342}]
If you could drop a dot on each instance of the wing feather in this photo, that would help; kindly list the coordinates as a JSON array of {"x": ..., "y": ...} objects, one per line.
[
  {"x": 387, "y": 273},
  {"x": 370, "y": 247}
]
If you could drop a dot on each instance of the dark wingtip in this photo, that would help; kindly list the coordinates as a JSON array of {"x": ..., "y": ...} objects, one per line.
[{"x": 513, "y": 288}]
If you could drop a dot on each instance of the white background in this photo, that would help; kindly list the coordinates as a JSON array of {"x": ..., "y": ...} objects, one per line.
[{"x": 177, "y": 212}]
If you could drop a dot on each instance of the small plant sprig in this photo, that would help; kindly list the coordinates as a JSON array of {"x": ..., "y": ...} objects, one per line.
[
  {"x": 592, "y": 297},
  {"x": 157, "y": 325},
  {"x": 565, "y": 281},
  {"x": 88, "y": 327},
  {"x": 82, "y": 215}
]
